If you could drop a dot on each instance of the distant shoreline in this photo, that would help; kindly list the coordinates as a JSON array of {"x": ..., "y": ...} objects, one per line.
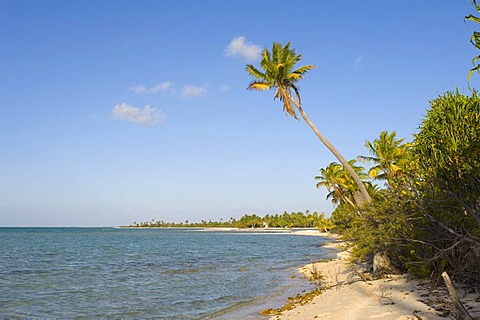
[{"x": 291, "y": 231}]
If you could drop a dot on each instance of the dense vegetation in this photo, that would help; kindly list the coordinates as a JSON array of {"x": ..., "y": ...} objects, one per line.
[
  {"x": 285, "y": 220},
  {"x": 426, "y": 217}
]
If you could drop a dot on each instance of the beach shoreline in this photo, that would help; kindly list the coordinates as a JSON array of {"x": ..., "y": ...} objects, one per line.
[
  {"x": 253, "y": 309},
  {"x": 290, "y": 231},
  {"x": 346, "y": 294}
]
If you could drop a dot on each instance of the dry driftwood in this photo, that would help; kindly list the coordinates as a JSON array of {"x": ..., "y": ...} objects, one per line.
[{"x": 455, "y": 299}]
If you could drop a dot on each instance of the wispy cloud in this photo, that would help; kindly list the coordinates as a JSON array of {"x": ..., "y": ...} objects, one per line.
[
  {"x": 224, "y": 88},
  {"x": 139, "y": 89},
  {"x": 239, "y": 47},
  {"x": 190, "y": 91},
  {"x": 358, "y": 61},
  {"x": 145, "y": 116},
  {"x": 161, "y": 87}
]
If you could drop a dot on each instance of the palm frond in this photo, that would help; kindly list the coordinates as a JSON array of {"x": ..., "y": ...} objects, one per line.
[
  {"x": 304, "y": 69},
  {"x": 476, "y": 68},
  {"x": 259, "y": 85},
  {"x": 294, "y": 77},
  {"x": 375, "y": 172},
  {"x": 254, "y": 72},
  {"x": 367, "y": 159},
  {"x": 276, "y": 53},
  {"x": 266, "y": 56},
  {"x": 472, "y": 18},
  {"x": 475, "y": 40},
  {"x": 297, "y": 93},
  {"x": 285, "y": 96},
  {"x": 333, "y": 195},
  {"x": 321, "y": 184}
]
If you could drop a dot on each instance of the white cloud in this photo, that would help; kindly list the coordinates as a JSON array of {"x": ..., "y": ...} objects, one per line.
[
  {"x": 163, "y": 86},
  {"x": 138, "y": 89},
  {"x": 193, "y": 91},
  {"x": 238, "y": 47},
  {"x": 145, "y": 115}
]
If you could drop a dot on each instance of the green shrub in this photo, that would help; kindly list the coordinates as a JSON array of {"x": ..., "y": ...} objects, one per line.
[{"x": 447, "y": 151}]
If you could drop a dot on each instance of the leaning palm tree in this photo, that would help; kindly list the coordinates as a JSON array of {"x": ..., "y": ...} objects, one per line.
[{"x": 279, "y": 74}]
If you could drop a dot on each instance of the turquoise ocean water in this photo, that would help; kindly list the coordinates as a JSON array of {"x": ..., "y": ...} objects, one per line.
[{"x": 66, "y": 273}]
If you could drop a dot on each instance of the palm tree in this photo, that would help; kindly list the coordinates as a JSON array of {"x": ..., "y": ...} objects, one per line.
[
  {"x": 279, "y": 74},
  {"x": 331, "y": 178},
  {"x": 389, "y": 156},
  {"x": 339, "y": 182}
]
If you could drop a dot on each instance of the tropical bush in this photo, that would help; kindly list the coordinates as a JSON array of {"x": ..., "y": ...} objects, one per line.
[
  {"x": 427, "y": 216},
  {"x": 447, "y": 151}
]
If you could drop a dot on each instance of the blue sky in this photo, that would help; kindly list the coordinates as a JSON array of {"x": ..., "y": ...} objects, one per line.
[{"x": 120, "y": 111}]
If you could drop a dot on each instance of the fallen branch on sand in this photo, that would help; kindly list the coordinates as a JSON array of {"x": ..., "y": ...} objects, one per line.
[{"x": 455, "y": 299}]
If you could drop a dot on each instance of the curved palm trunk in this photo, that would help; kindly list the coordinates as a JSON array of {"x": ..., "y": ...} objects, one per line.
[{"x": 337, "y": 154}]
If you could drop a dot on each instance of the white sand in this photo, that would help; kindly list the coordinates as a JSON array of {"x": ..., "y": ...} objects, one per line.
[{"x": 350, "y": 297}]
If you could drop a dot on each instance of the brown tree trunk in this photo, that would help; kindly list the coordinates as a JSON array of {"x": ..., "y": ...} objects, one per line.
[{"x": 382, "y": 263}]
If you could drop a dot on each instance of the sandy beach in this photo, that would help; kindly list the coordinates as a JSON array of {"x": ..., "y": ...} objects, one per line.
[
  {"x": 349, "y": 294},
  {"x": 286, "y": 231}
]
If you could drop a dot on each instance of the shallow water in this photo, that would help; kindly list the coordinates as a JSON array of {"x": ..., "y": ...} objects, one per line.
[{"x": 148, "y": 273}]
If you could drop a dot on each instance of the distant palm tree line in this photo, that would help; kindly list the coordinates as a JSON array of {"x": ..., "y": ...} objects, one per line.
[{"x": 285, "y": 220}]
